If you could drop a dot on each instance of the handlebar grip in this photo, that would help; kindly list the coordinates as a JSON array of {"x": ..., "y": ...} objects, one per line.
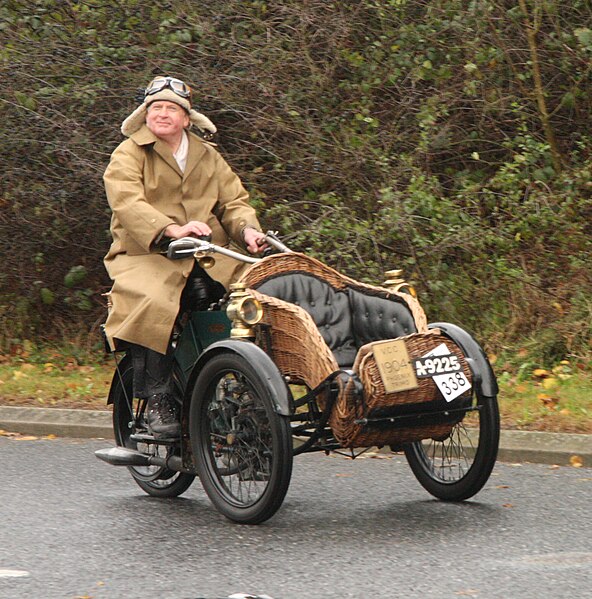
[{"x": 207, "y": 238}]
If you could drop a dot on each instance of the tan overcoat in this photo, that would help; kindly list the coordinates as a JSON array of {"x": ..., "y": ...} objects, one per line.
[{"x": 147, "y": 192}]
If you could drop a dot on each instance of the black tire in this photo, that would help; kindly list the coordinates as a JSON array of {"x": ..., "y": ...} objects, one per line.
[
  {"x": 154, "y": 480},
  {"x": 457, "y": 467},
  {"x": 242, "y": 447}
]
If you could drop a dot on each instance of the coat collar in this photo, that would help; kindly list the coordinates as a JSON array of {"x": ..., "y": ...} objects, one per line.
[{"x": 145, "y": 137}]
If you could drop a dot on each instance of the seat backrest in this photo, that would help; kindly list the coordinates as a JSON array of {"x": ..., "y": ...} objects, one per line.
[
  {"x": 375, "y": 318},
  {"x": 347, "y": 313}
]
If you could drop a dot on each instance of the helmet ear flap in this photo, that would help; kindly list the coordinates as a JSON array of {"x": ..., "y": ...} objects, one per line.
[
  {"x": 203, "y": 123},
  {"x": 134, "y": 121}
]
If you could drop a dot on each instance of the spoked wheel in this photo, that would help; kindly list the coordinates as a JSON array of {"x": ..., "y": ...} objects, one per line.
[
  {"x": 127, "y": 419},
  {"x": 457, "y": 467},
  {"x": 241, "y": 445}
]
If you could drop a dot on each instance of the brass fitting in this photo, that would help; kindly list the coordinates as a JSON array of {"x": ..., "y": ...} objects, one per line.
[
  {"x": 397, "y": 284},
  {"x": 244, "y": 311},
  {"x": 204, "y": 260}
]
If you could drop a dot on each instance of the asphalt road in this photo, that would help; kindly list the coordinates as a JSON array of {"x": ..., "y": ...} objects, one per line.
[{"x": 74, "y": 527}]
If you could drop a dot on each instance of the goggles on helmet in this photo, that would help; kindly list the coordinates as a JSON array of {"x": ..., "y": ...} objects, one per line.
[{"x": 160, "y": 83}]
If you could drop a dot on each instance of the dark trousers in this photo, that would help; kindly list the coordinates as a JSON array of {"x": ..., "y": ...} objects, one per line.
[{"x": 153, "y": 371}]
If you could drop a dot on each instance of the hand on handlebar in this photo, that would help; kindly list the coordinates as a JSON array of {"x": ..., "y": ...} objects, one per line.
[
  {"x": 193, "y": 228},
  {"x": 254, "y": 240}
]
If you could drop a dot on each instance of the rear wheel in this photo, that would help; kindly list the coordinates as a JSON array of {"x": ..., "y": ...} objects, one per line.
[
  {"x": 241, "y": 445},
  {"x": 127, "y": 421},
  {"x": 457, "y": 467}
]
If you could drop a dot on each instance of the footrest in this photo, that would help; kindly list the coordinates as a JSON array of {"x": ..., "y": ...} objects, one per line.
[{"x": 146, "y": 438}]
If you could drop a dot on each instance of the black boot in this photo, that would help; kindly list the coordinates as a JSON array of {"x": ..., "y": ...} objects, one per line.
[{"x": 162, "y": 416}]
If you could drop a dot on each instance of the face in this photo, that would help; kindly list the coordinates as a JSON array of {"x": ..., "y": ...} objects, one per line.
[{"x": 166, "y": 119}]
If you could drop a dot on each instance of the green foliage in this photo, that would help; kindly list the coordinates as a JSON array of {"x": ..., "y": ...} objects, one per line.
[{"x": 441, "y": 137}]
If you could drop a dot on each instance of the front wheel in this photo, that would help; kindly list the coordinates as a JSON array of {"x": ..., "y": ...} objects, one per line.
[
  {"x": 241, "y": 445},
  {"x": 127, "y": 421},
  {"x": 457, "y": 467}
]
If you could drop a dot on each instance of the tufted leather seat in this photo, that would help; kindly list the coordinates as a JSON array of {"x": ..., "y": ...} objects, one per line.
[
  {"x": 376, "y": 318},
  {"x": 346, "y": 319}
]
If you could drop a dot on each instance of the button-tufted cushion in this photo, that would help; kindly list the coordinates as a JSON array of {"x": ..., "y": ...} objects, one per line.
[
  {"x": 346, "y": 319},
  {"x": 376, "y": 318},
  {"x": 328, "y": 308}
]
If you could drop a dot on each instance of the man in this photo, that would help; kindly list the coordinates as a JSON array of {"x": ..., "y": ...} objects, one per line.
[{"x": 165, "y": 182}]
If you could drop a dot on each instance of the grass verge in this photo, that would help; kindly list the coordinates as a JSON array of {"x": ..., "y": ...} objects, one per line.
[{"x": 556, "y": 400}]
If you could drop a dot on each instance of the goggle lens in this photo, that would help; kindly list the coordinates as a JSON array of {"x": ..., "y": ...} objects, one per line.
[{"x": 176, "y": 85}]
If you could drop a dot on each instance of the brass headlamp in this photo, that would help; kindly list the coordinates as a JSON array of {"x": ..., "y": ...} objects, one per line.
[{"x": 244, "y": 311}]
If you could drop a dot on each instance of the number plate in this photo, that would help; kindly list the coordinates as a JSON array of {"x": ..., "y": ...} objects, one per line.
[
  {"x": 394, "y": 365},
  {"x": 430, "y": 366},
  {"x": 445, "y": 369}
]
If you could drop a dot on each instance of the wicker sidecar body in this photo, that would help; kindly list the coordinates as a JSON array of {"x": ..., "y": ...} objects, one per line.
[{"x": 304, "y": 358}]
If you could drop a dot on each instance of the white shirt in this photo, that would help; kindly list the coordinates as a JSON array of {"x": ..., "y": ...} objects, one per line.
[{"x": 181, "y": 154}]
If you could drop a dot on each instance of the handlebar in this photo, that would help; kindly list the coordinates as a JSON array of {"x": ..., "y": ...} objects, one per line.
[{"x": 193, "y": 246}]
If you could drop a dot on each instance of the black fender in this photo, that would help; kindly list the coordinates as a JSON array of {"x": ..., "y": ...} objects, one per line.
[
  {"x": 282, "y": 398},
  {"x": 483, "y": 375},
  {"x": 120, "y": 368}
]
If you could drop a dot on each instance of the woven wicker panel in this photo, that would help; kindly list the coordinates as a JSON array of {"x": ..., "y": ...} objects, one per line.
[
  {"x": 299, "y": 350},
  {"x": 348, "y": 408},
  {"x": 279, "y": 264}
]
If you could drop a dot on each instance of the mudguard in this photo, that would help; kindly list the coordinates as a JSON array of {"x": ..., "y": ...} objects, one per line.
[
  {"x": 484, "y": 378},
  {"x": 120, "y": 368},
  {"x": 282, "y": 398}
]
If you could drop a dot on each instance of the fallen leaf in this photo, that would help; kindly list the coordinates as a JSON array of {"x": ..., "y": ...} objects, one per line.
[
  {"x": 26, "y": 438},
  {"x": 550, "y": 383},
  {"x": 50, "y": 437},
  {"x": 508, "y": 505},
  {"x": 521, "y": 388},
  {"x": 554, "y": 467},
  {"x": 502, "y": 486},
  {"x": 343, "y": 475},
  {"x": 547, "y": 400},
  {"x": 27, "y": 367},
  {"x": 576, "y": 461},
  {"x": 540, "y": 372}
]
